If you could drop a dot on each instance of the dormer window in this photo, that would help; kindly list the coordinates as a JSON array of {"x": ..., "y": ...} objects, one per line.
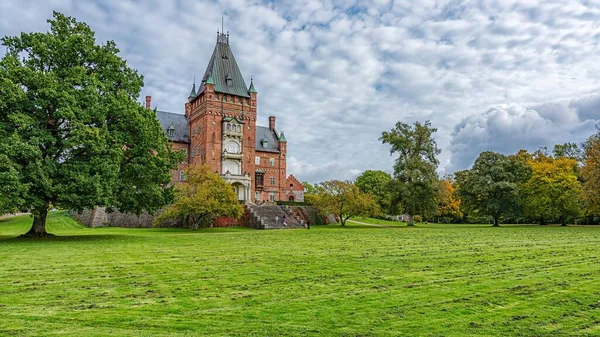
[
  {"x": 229, "y": 80},
  {"x": 264, "y": 142},
  {"x": 171, "y": 131}
]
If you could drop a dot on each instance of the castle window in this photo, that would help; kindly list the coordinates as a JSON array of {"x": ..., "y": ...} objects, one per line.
[
  {"x": 171, "y": 131},
  {"x": 228, "y": 127},
  {"x": 272, "y": 196},
  {"x": 272, "y": 161},
  {"x": 291, "y": 186},
  {"x": 229, "y": 80},
  {"x": 181, "y": 176},
  {"x": 232, "y": 147},
  {"x": 272, "y": 181},
  {"x": 257, "y": 196},
  {"x": 257, "y": 160},
  {"x": 217, "y": 97},
  {"x": 259, "y": 178},
  {"x": 199, "y": 128}
]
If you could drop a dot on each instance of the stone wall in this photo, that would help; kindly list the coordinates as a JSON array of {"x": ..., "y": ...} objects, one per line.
[{"x": 99, "y": 217}]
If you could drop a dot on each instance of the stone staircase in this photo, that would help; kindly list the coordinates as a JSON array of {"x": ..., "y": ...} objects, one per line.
[{"x": 271, "y": 217}]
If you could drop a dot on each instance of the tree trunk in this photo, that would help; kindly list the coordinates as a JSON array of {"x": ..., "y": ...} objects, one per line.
[
  {"x": 542, "y": 221},
  {"x": 342, "y": 221},
  {"x": 496, "y": 223},
  {"x": 38, "y": 228},
  {"x": 411, "y": 220},
  {"x": 563, "y": 220}
]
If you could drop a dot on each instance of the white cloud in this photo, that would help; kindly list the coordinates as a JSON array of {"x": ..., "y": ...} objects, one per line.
[{"x": 338, "y": 73}]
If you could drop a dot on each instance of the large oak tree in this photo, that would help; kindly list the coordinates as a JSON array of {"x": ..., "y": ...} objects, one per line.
[
  {"x": 415, "y": 184},
  {"x": 72, "y": 133},
  {"x": 492, "y": 186}
]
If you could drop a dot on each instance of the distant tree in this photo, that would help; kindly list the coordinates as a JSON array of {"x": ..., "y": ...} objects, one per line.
[
  {"x": 308, "y": 187},
  {"x": 344, "y": 200},
  {"x": 204, "y": 194},
  {"x": 590, "y": 173},
  {"x": 72, "y": 134},
  {"x": 414, "y": 187},
  {"x": 448, "y": 202},
  {"x": 568, "y": 150},
  {"x": 491, "y": 187},
  {"x": 376, "y": 184},
  {"x": 553, "y": 190}
]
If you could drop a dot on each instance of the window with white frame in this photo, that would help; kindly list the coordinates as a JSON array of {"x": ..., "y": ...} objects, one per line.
[
  {"x": 272, "y": 196},
  {"x": 272, "y": 160},
  {"x": 272, "y": 181},
  {"x": 257, "y": 160},
  {"x": 257, "y": 196},
  {"x": 181, "y": 176}
]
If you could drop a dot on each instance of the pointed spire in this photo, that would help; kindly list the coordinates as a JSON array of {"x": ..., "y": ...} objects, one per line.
[
  {"x": 282, "y": 138},
  {"x": 210, "y": 80},
  {"x": 251, "y": 86},
  {"x": 193, "y": 92}
]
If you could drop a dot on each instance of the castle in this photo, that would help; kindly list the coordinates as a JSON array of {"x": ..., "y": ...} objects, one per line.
[{"x": 219, "y": 129}]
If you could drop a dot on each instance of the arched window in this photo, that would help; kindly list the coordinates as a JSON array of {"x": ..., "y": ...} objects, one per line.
[
  {"x": 291, "y": 186},
  {"x": 231, "y": 167},
  {"x": 228, "y": 127},
  {"x": 232, "y": 147},
  {"x": 291, "y": 198}
]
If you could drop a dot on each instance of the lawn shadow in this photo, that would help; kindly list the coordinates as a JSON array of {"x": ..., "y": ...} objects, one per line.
[{"x": 67, "y": 238}]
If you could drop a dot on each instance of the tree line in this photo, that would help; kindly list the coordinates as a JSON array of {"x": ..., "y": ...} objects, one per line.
[{"x": 557, "y": 186}]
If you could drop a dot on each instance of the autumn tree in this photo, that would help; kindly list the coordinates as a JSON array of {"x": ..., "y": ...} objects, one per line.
[
  {"x": 202, "y": 196},
  {"x": 590, "y": 173},
  {"x": 414, "y": 187},
  {"x": 72, "y": 133},
  {"x": 491, "y": 187},
  {"x": 375, "y": 183},
  {"x": 345, "y": 200},
  {"x": 553, "y": 190},
  {"x": 448, "y": 202}
]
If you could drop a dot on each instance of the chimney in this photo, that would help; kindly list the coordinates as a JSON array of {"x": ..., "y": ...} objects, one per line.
[
  {"x": 148, "y": 99},
  {"x": 272, "y": 123}
]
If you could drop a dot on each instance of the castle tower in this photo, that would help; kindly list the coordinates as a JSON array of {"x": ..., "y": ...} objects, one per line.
[{"x": 222, "y": 120}]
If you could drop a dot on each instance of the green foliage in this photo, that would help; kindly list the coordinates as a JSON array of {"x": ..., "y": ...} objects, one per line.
[
  {"x": 204, "y": 194},
  {"x": 415, "y": 184},
  {"x": 568, "y": 150},
  {"x": 491, "y": 187},
  {"x": 376, "y": 183},
  {"x": 308, "y": 188},
  {"x": 590, "y": 173},
  {"x": 344, "y": 200},
  {"x": 553, "y": 190},
  {"x": 71, "y": 131}
]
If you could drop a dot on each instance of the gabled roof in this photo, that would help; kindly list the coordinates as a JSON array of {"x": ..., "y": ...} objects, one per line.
[
  {"x": 221, "y": 67},
  {"x": 271, "y": 144},
  {"x": 174, "y": 121}
]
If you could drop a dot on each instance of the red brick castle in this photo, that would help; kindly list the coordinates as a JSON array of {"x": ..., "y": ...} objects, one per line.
[{"x": 219, "y": 129}]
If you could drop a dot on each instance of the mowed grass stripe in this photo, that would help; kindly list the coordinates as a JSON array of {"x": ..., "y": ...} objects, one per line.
[{"x": 438, "y": 281}]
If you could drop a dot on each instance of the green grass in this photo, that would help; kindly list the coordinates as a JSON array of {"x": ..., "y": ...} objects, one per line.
[
  {"x": 431, "y": 280},
  {"x": 378, "y": 221}
]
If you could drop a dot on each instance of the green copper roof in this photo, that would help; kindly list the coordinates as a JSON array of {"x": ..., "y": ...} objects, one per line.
[
  {"x": 252, "y": 87},
  {"x": 193, "y": 92},
  {"x": 282, "y": 138},
  {"x": 209, "y": 80},
  {"x": 223, "y": 71}
]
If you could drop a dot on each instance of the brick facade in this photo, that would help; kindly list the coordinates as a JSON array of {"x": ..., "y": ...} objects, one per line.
[{"x": 222, "y": 132}]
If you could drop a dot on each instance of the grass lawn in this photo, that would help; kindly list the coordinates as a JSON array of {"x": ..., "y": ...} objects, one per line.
[
  {"x": 326, "y": 281},
  {"x": 381, "y": 222}
]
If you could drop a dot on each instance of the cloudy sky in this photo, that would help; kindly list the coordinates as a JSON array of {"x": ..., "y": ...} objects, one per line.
[{"x": 495, "y": 75}]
